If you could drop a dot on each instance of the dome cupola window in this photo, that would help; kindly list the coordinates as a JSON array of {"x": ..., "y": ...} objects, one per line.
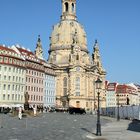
[
  {"x": 66, "y": 7},
  {"x": 73, "y": 9}
]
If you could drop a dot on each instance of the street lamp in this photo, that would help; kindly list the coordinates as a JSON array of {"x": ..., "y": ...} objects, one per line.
[
  {"x": 118, "y": 115},
  {"x": 98, "y": 84}
]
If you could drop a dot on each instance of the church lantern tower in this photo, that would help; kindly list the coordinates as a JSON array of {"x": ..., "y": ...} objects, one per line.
[
  {"x": 68, "y": 9},
  {"x": 39, "y": 50}
]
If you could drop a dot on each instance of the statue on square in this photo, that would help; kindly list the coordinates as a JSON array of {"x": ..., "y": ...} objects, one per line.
[{"x": 26, "y": 104}]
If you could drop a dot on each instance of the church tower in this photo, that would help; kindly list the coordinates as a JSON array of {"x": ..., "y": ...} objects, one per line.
[
  {"x": 75, "y": 69},
  {"x": 39, "y": 50},
  {"x": 97, "y": 58}
]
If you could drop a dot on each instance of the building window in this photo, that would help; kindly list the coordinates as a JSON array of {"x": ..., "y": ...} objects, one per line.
[
  {"x": 8, "y": 97},
  {"x": 22, "y": 89},
  {"x": 13, "y": 88},
  {"x": 22, "y": 97},
  {"x": 5, "y": 59},
  {"x": 16, "y": 78},
  {"x": 10, "y": 60},
  {"x": 5, "y": 68},
  {"x": 4, "y": 77},
  {"x": 12, "y": 96},
  {"x": 78, "y": 104},
  {"x": 9, "y": 78},
  {"x": 13, "y": 78},
  {"x": 3, "y": 96},
  {"x": 1, "y": 59},
  {"x": 31, "y": 97},
  {"x": 4, "y": 87},
  {"x": 28, "y": 88},
  {"x": 14, "y": 61},
  {"x": 8, "y": 87},
  {"x": 16, "y": 97},
  {"x": 77, "y": 93},
  {"x": 16, "y": 88}
]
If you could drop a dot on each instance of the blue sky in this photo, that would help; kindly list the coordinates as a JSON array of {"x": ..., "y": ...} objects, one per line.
[{"x": 115, "y": 23}]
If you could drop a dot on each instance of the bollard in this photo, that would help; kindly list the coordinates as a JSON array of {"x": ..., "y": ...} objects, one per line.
[{"x": 1, "y": 122}]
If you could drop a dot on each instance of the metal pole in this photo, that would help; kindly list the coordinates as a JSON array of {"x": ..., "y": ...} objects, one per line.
[
  {"x": 98, "y": 129},
  {"x": 118, "y": 115},
  {"x": 94, "y": 95}
]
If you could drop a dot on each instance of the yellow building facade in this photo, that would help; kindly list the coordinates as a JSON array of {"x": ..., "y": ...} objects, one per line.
[{"x": 76, "y": 71}]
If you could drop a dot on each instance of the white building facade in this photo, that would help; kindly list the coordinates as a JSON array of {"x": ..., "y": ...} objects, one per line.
[
  {"x": 50, "y": 86},
  {"x": 111, "y": 100},
  {"x": 12, "y": 78}
]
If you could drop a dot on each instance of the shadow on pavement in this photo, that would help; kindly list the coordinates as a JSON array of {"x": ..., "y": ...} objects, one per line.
[
  {"x": 88, "y": 131},
  {"x": 93, "y": 134},
  {"x": 134, "y": 126}
]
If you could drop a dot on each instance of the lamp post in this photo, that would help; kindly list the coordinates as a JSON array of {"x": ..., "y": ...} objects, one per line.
[
  {"x": 98, "y": 84},
  {"x": 118, "y": 115}
]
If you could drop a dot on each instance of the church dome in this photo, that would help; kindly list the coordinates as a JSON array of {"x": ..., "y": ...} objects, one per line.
[{"x": 66, "y": 33}]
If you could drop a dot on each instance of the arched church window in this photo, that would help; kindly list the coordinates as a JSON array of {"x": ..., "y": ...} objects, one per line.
[
  {"x": 77, "y": 86},
  {"x": 66, "y": 6},
  {"x": 65, "y": 82},
  {"x": 72, "y": 7},
  {"x": 65, "y": 86}
]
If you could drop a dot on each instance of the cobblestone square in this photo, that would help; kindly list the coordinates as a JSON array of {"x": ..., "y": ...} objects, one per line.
[{"x": 48, "y": 126}]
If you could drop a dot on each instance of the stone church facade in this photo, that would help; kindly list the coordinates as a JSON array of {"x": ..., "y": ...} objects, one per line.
[{"x": 76, "y": 71}]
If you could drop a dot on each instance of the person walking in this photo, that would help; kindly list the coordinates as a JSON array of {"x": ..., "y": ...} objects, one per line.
[{"x": 20, "y": 113}]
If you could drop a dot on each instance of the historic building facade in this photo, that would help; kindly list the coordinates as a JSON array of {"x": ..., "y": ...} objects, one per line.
[
  {"x": 40, "y": 77},
  {"x": 24, "y": 72},
  {"x": 50, "y": 86},
  {"x": 111, "y": 100},
  {"x": 34, "y": 76},
  {"x": 12, "y": 78},
  {"x": 127, "y": 95},
  {"x": 76, "y": 71}
]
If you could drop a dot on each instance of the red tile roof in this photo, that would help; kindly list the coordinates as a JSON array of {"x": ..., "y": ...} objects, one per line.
[
  {"x": 7, "y": 49},
  {"x": 24, "y": 51}
]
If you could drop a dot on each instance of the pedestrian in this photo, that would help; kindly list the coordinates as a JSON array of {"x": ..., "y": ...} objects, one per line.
[
  {"x": 20, "y": 113},
  {"x": 34, "y": 110}
]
